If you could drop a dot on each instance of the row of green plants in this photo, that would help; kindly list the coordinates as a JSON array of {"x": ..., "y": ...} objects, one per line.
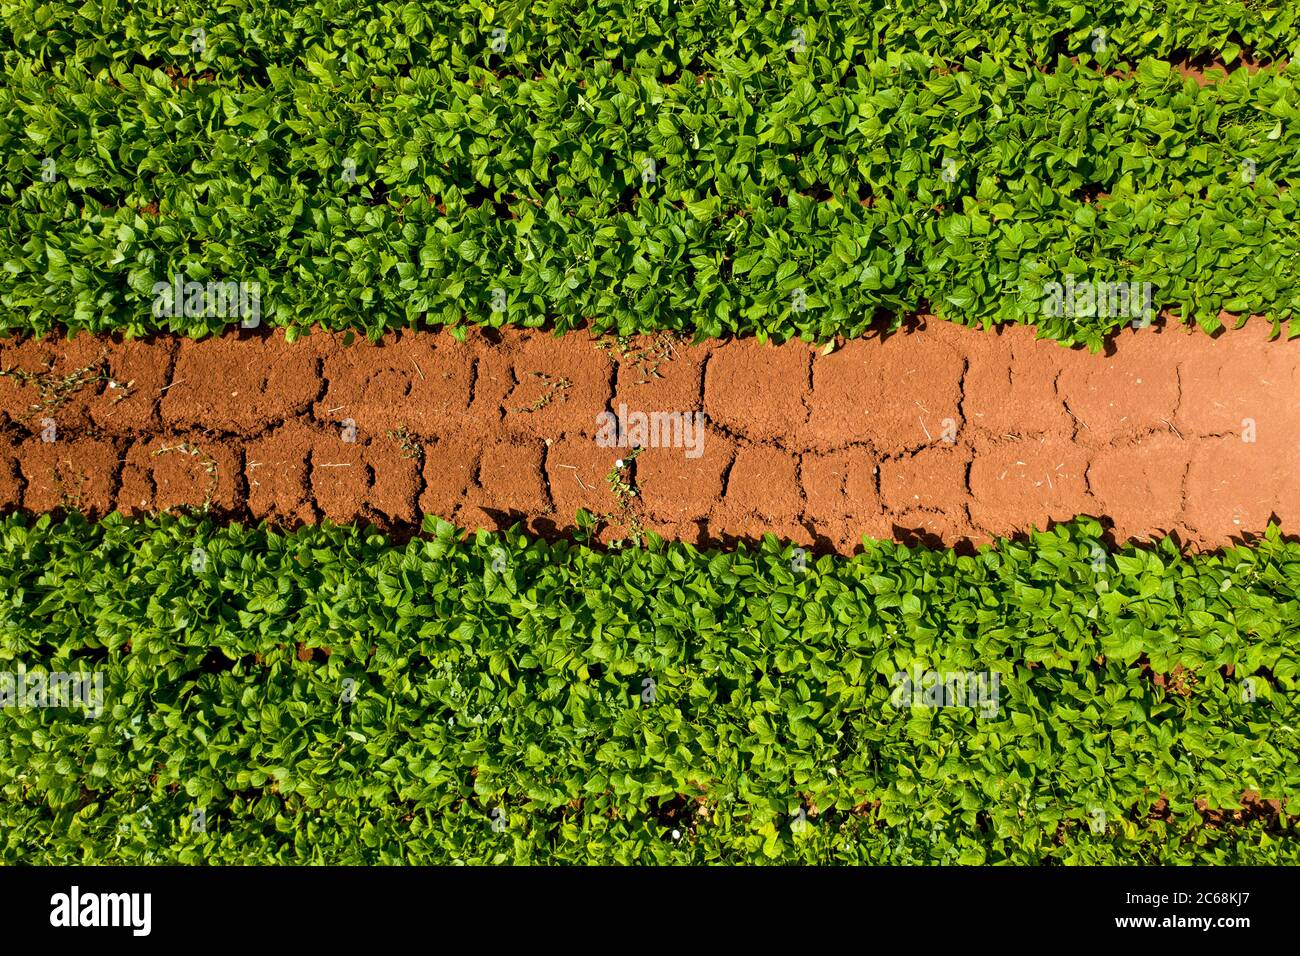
[
  {"x": 242, "y": 37},
  {"x": 329, "y": 696},
  {"x": 805, "y": 200}
]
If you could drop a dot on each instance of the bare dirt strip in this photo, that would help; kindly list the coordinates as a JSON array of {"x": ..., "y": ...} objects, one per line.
[{"x": 940, "y": 434}]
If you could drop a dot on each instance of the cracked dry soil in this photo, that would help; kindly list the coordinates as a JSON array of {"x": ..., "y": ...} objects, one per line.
[{"x": 941, "y": 435}]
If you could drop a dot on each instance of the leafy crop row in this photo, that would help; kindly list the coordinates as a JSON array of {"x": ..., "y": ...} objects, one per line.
[
  {"x": 498, "y": 705},
  {"x": 242, "y": 37},
  {"x": 797, "y": 199}
]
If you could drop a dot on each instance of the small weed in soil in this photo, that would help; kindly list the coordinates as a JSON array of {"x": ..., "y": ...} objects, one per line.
[
  {"x": 54, "y": 392},
  {"x": 410, "y": 447},
  {"x": 647, "y": 358},
  {"x": 120, "y": 391},
  {"x": 555, "y": 387},
  {"x": 625, "y": 491},
  {"x": 70, "y": 499}
]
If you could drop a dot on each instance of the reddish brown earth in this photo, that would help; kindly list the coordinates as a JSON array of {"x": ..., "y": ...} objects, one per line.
[{"x": 817, "y": 448}]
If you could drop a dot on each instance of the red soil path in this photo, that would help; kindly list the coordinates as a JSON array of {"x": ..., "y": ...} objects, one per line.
[{"x": 821, "y": 449}]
